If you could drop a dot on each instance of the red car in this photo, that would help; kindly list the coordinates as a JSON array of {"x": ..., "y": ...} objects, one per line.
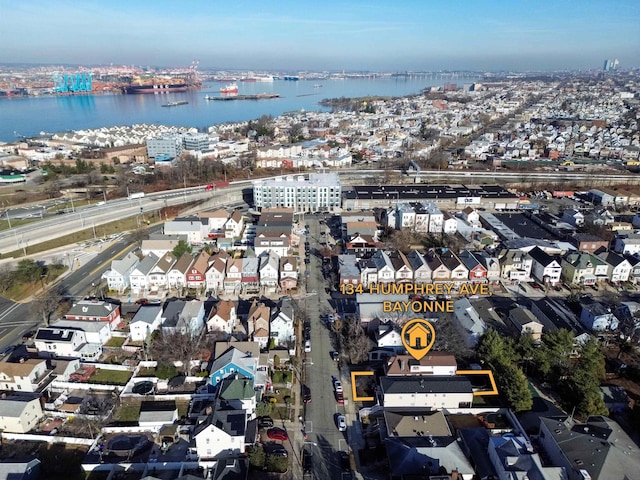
[
  {"x": 340, "y": 398},
  {"x": 209, "y": 187},
  {"x": 277, "y": 434}
]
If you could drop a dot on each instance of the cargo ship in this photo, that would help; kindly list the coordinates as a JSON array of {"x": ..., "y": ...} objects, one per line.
[
  {"x": 230, "y": 88},
  {"x": 158, "y": 86}
]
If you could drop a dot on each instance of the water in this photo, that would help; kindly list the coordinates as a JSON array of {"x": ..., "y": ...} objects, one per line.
[{"x": 32, "y": 115}]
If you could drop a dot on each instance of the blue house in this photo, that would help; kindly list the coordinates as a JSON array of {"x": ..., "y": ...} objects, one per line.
[
  {"x": 232, "y": 362},
  {"x": 597, "y": 317}
]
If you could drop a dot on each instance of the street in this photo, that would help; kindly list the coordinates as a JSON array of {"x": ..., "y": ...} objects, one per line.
[{"x": 323, "y": 437}]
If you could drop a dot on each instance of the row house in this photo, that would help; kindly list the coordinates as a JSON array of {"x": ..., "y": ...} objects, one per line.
[
  {"x": 223, "y": 317},
  {"x": 250, "y": 277},
  {"x": 196, "y": 274},
  {"x": 258, "y": 322},
  {"x": 582, "y": 268},
  {"x": 117, "y": 276},
  {"x": 288, "y": 273},
  {"x": 215, "y": 274},
  {"x": 234, "y": 225},
  {"x": 183, "y": 317},
  {"x": 158, "y": 273},
  {"x": 138, "y": 278},
  {"x": 233, "y": 278},
  {"x": 515, "y": 265},
  {"x": 177, "y": 275},
  {"x": 269, "y": 270}
]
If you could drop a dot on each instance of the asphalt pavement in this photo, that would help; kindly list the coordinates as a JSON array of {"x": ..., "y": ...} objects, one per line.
[{"x": 323, "y": 437}]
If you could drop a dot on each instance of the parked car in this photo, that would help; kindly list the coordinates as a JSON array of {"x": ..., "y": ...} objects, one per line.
[
  {"x": 339, "y": 398},
  {"x": 277, "y": 433},
  {"x": 307, "y": 346},
  {"x": 335, "y": 356},
  {"x": 341, "y": 422},
  {"x": 28, "y": 335},
  {"x": 337, "y": 385},
  {"x": 307, "y": 460},
  {"x": 344, "y": 460},
  {"x": 306, "y": 394},
  {"x": 265, "y": 422}
]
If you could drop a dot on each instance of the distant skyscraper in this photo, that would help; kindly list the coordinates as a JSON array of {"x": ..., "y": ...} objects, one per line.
[{"x": 611, "y": 65}]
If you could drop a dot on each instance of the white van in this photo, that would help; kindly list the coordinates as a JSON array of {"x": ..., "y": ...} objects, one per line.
[{"x": 307, "y": 346}]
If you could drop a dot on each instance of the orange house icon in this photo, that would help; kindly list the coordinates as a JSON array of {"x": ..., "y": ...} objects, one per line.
[{"x": 418, "y": 336}]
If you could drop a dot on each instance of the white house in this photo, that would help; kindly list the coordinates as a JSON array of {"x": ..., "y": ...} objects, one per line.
[
  {"x": 146, "y": 321},
  {"x": 118, "y": 276},
  {"x": 177, "y": 275},
  {"x": 544, "y": 267},
  {"x": 426, "y": 391},
  {"x": 23, "y": 376},
  {"x": 281, "y": 328},
  {"x": 387, "y": 336},
  {"x": 158, "y": 275},
  {"x": 221, "y": 433},
  {"x": 19, "y": 414},
  {"x": 139, "y": 276},
  {"x": 234, "y": 225},
  {"x": 619, "y": 268},
  {"x": 223, "y": 317},
  {"x": 215, "y": 274},
  {"x": 269, "y": 269}
]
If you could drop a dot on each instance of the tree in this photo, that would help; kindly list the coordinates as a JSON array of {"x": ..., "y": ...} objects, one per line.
[
  {"x": 7, "y": 278},
  {"x": 47, "y": 304},
  {"x": 28, "y": 271},
  {"x": 558, "y": 346},
  {"x": 515, "y": 387},
  {"x": 182, "y": 347},
  {"x": 356, "y": 341},
  {"x": 181, "y": 248}
]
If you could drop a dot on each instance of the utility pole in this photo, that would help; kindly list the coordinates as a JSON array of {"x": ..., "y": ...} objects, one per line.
[
  {"x": 8, "y": 218},
  {"x": 73, "y": 209}
]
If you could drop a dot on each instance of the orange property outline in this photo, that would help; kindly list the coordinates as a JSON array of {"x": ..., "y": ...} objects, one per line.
[
  {"x": 494, "y": 390},
  {"x": 353, "y": 386}
]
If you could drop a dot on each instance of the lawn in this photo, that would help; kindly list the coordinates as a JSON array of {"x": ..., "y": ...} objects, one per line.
[
  {"x": 110, "y": 377},
  {"x": 115, "y": 342},
  {"x": 127, "y": 412}
]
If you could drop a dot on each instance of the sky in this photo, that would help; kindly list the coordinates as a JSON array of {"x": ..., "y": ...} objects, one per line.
[{"x": 331, "y": 35}]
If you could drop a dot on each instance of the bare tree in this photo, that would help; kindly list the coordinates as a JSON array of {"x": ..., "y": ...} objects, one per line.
[
  {"x": 170, "y": 347},
  {"x": 7, "y": 278},
  {"x": 47, "y": 304},
  {"x": 356, "y": 341}
]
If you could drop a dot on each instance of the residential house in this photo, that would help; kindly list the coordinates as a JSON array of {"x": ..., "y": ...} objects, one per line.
[
  {"x": 405, "y": 216},
  {"x": 597, "y": 317},
  {"x": 578, "y": 268},
  {"x": 436, "y": 217},
  {"x": 595, "y": 449},
  {"x": 19, "y": 414},
  {"x": 439, "y": 271},
  {"x": 258, "y": 322},
  {"x": 96, "y": 335},
  {"x": 618, "y": 267},
  {"x": 515, "y": 265},
  {"x": 434, "y": 363},
  {"x": 138, "y": 278},
  {"x": 269, "y": 239},
  {"x": 402, "y": 267},
  {"x": 221, "y": 433},
  {"x": 95, "y": 311},
  {"x": 587, "y": 242},
  {"x": 117, "y": 276},
  {"x": 360, "y": 244},
  {"x": 25, "y": 376},
  {"x": 544, "y": 268},
  {"x": 234, "y": 226},
  {"x": 233, "y": 276},
  {"x": 177, "y": 276},
  {"x": 234, "y": 361},
  {"x": 573, "y": 217},
  {"x": 627, "y": 244},
  {"x": 288, "y": 271},
  {"x": 215, "y": 274},
  {"x": 269, "y": 270},
  {"x": 491, "y": 265},
  {"x": 477, "y": 271},
  {"x": 223, "y": 317},
  {"x": 421, "y": 270},
  {"x": 195, "y": 229},
  {"x": 250, "y": 277},
  {"x": 525, "y": 323},
  {"x": 387, "y": 336},
  {"x": 471, "y": 216},
  {"x": 196, "y": 275},
  {"x": 65, "y": 342},
  {"x": 160, "y": 244},
  {"x": 469, "y": 319},
  {"x": 425, "y": 391},
  {"x": 449, "y": 224},
  {"x": 459, "y": 272},
  {"x": 217, "y": 220},
  {"x": 236, "y": 392},
  {"x": 384, "y": 267},
  {"x": 146, "y": 320},
  {"x": 282, "y": 327},
  {"x": 158, "y": 274}
]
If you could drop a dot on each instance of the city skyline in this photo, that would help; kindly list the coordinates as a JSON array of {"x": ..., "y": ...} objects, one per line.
[{"x": 411, "y": 35}]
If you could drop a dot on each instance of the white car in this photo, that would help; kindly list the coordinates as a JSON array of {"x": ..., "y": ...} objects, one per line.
[
  {"x": 337, "y": 385},
  {"x": 307, "y": 346},
  {"x": 330, "y": 318},
  {"x": 341, "y": 421}
]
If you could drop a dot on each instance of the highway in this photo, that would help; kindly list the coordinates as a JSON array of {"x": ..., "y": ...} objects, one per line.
[
  {"x": 87, "y": 217},
  {"x": 16, "y": 318},
  {"x": 49, "y": 228}
]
